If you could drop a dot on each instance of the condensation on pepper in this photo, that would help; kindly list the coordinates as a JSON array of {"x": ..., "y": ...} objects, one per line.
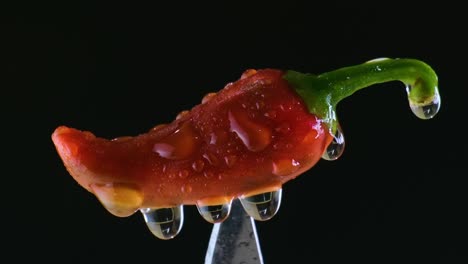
[{"x": 243, "y": 142}]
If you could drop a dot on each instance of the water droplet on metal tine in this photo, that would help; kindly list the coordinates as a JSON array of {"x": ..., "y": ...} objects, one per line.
[
  {"x": 427, "y": 110},
  {"x": 262, "y": 206},
  {"x": 336, "y": 146},
  {"x": 164, "y": 223},
  {"x": 215, "y": 213}
]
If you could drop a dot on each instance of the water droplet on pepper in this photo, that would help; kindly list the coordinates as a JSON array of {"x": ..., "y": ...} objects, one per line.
[
  {"x": 198, "y": 165},
  {"x": 121, "y": 139},
  {"x": 218, "y": 137},
  {"x": 285, "y": 167},
  {"x": 208, "y": 174},
  {"x": 336, "y": 146},
  {"x": 214, "y": 213},
  {"x": 271, "y": 114},
  {"x": 248, "y": 73},
  {"x": 230, "y": 160},
  {"x": 208, "y": 97},
  {"x": 120, "y": 199},
  {"x": 186, "y": 188},
  {"x": 262, "y": 206},
  {"x": 259, "y": 105},
  {"x": 164, "y": 223},
  {"x": 157, "y": 127},
  {"x": 182, "y": 114},
  {"x": 183, "y": 174},
  {"x": 425, "y": 110},
  {"x": 254, "y": 135},
  {"x": 179, "y": 145},
  {"x": 211, "y": 158},
  {"x": 283, "y": 128}
]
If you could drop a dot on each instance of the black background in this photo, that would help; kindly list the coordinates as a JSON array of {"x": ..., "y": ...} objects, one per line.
[{"x": 395, "y": 196}]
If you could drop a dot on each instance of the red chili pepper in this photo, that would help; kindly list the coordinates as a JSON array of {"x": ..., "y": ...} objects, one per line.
[{"x": 248, "y": 139}]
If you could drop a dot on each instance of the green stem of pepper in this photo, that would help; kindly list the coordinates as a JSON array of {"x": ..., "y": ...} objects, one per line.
[{"x": 323, "y": 92}]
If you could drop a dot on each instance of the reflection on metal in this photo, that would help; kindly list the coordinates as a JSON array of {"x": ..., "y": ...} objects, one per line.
[{"x": 235, "y": 240}]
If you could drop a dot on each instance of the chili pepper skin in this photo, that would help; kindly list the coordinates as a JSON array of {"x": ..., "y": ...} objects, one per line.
[{"x": 251, "y": 137}]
